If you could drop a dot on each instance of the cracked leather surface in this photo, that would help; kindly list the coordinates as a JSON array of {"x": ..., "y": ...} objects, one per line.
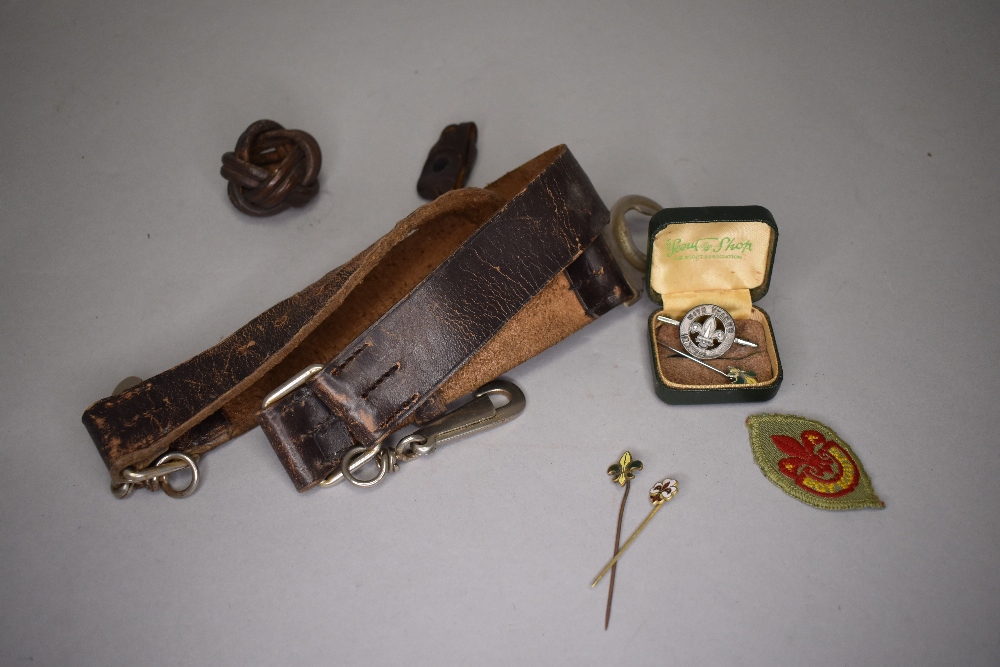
[
  {"x": 482, "y": 302},
  {"x": 384, "y": 375},
  {"x": 213, "y": 397}
]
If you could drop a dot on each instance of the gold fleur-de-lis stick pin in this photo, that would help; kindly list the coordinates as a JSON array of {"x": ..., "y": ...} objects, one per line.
[
  {"x": 622, "y": 472},
  {"x": 659, "y": 495}
]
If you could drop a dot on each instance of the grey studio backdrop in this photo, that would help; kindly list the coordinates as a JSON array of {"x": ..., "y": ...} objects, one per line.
[{"x": 868, "y": 129}]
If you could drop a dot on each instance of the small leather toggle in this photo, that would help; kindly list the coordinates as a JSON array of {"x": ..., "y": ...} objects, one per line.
[
  {"x": 271, "y": 169},
  {"x": 449, "y": 162}
]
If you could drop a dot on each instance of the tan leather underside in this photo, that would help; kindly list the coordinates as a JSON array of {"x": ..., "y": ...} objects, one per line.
[{"x": 547, "y": 319}]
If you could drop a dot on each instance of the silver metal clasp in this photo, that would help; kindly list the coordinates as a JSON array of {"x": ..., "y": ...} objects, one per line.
[
  {"x": 477, "y": 415},
  {"x": 157, "y": 476},
  {"x": 291, "y": 385}
]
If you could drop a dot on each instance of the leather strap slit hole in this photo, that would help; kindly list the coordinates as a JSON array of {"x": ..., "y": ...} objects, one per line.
[
  {"x": 342, "y": 365},
  {"x": 382, "y": 378}
]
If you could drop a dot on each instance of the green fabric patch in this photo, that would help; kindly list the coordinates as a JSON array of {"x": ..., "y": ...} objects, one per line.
[{"x": 808, "y": 461}]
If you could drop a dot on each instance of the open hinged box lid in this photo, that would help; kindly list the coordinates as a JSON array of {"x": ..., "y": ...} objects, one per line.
[{"x": 719, "y": 255}]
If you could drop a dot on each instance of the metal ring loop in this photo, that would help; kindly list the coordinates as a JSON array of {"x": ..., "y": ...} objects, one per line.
[
  {"x": 165, "y": 481},
  {"x": 123, "y": 490},
  {"x": 623, "y": 237},
  {"x": 411, "y": 447},
  {"x": 354, "y": 452}
]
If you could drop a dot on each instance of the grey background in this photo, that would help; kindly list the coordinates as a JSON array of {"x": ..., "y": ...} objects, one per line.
[{"x": 868, "y": 129}]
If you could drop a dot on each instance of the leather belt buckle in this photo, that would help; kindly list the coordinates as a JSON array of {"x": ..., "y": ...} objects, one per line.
[{"x": 291, "y": 385}]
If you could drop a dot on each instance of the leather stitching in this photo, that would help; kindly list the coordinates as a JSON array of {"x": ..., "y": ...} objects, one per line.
[
  {"x": 400, "y": 410},
  {"x": 318, "y": 427}
]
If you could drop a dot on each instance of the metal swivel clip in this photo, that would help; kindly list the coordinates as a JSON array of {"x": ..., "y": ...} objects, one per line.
[{"x": 477, "y": 415}]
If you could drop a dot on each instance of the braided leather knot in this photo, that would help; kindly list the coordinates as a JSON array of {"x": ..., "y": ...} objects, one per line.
[{"x": 271, "y": 169}]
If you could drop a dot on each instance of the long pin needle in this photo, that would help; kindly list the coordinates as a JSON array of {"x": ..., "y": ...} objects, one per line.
[
  {"x": 618, "y": 537},
  {"x": 676, "y": 323},
  {"x": 697, "y": 361},
  {"x": 623, "y": 473},
  {"x": 659, "y": 495},
  {"x": 621, "y": 551},
  {"x": 735, "y": 375}
]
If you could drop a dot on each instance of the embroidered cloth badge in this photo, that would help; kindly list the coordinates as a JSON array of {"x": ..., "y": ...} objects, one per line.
[{"x": 807, "y": 460}]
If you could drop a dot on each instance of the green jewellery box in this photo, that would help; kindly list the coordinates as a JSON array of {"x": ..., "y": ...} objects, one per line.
[{"x": 705, "y": 268}]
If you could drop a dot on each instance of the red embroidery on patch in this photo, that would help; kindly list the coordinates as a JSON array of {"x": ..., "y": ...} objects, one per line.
[{"x": 820, "y": 466}]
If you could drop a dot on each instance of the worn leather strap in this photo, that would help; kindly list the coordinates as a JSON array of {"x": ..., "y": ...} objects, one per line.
[
  {"x": 375, "y": 384},
  {"x": 213, "y": 397},
  {"x": 310, "y": 441},
  {"x": 534, "y": 273}
]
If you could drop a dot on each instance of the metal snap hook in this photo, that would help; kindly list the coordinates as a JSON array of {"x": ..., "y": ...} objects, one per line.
[
  {"x": 157, "y": 476},
  {"x": 477, "y": 415}
]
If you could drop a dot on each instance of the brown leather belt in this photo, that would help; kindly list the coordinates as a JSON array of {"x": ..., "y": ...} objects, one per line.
[{"x": 460, "y": 291}]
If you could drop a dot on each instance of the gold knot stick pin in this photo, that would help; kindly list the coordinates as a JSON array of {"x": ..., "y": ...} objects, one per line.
[
  {"x": 659, "y": 495},
  {"x": 623, "y": 473}
]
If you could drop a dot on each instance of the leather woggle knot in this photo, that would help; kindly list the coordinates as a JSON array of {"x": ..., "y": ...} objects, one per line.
[{"x": 271, "y": 169}]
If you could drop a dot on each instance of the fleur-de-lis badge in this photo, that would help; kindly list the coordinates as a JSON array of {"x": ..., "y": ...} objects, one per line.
[
  {"x": 707, "y": 336},
  {"x": 658, "y": 495},
  {"x": 625, "y": 469},
  {"x": 622, "y": 472}
]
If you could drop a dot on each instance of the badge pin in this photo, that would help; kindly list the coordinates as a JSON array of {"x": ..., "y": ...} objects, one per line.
[
  {"x": 707, "y": 331},
  {"x": 622, "y": 473},
  {"x": 659, "y": 495},
  {"x": 676, "y": 323}
]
